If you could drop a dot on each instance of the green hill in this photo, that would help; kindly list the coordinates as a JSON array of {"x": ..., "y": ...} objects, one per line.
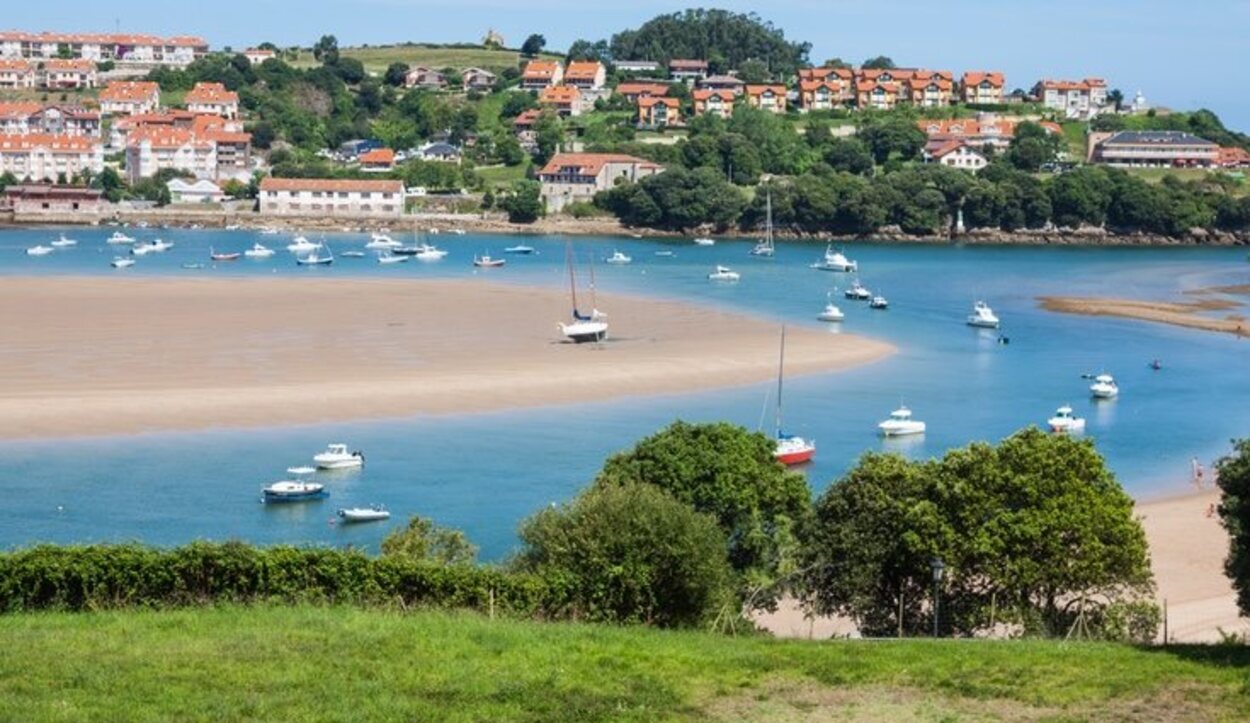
[
  {"x": 314, "y": 663},
  {"x": 377, "y": 58}
]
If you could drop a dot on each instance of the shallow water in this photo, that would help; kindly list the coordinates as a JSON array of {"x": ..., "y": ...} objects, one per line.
[{"x": 485, "y": 472}]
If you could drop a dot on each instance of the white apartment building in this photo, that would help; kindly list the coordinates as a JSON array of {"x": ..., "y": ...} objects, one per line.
[
  {"x": 16, "y": 74},
  {"x": 177, "y": 51},
  {"x": 41, "y": 157},
  {"x": 213, "y": 99},
  {"x": 76, "y": 73},
  {"x": 25, "y": 117},
  {"x": 130, "y": 97},
  {"x": 331, "y": 197},
  {"x": 1076, "y": 98}
]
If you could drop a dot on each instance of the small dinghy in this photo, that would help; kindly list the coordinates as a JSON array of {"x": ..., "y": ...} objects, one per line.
[
  {"x": 122, "y": 263},
  {"x": 353, "y": 254},
  {"x": 364, "y": 514},
  {"x": 486, "y": 262},
  {"x": 233, "y": 256},
  {"x": 39, "y": 250}
]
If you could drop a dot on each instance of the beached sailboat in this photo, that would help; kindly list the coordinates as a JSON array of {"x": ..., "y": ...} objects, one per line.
[
  {"x": 584, "y": 327},
  {"x": 791, "y": 449},
  {"x": 765, "y": 248}
]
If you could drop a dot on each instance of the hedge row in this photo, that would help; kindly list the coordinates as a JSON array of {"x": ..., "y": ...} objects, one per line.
[{"x": 132, "y": 575}]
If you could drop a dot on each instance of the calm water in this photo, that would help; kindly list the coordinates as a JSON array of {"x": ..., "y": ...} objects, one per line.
[{"x": 485, "y": 472}]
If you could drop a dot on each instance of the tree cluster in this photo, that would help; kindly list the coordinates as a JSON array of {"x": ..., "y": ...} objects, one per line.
[{"x": 725, "y": 39}]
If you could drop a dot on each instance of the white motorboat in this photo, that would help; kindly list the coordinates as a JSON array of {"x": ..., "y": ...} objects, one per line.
[
  {"x": 259, "y": 251},
  {"x": 121, "y": 262},
  {"x": 1104, "y": 387},
  {"x": 382, "y": 241},
  {"x": 1065, "y": 421},
  {"x": 269, "y": 231},
  {"x": 430, "y": 253},
  {"x": 857, "y": 292},
  {"x": 374, "y": 513},
  {"x": 458, "y": 231},
  {"x": 302, "y": 245},
  {"x": 618, "y": 259},
  {"x": 831, "y": 312},
  {"x": 160, "y": 245},
  {"x": 336, "y": 456},
  {"x": 120, "y": 238},
  {"x": 39, "y": 250},
  {"x": 982, "y": 316},
  {"x": 144, "y": 249},
  {"x": 901, "y": 424},
  {"x": 486, "y": 262},
  {"x": 724, "y": 273},
  {"x": 878, "y": 302},
  {"x": 519, "y": 249},
  {"x": 835, "y": 261},
  {"x": 63, "y": 242},
  {"x": 389, "y": 258},
  {"x": 295, "y": 490},
  {"x": 704, "y": 241},
  {"x": 764, "y": 248},
  {"x": 433, "y": 231}
]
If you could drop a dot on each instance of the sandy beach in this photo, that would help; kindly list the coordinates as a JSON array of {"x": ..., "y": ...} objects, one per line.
[
  {"x": 1188, "y": 314},
  {"x": 1187, "y": 550},
  {"x": 90, "y": 356}
]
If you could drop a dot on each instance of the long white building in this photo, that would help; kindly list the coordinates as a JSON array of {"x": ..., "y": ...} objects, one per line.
[
  {"x": 331, "y": 197},
  {"x": 45, "y": 157},
  {"x": 176, "y": 51}
]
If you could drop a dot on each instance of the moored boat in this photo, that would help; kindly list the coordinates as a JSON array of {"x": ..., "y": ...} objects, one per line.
[
  {"x": 834, "y": 260},
  {"x": 901, "y": 424},
  {"x": 259, "y": 251},
  {"x": 373, "y": 513},
  {"x": 120, "y": 238},
  {"x": 230, "y": 256},
  {"x": 520, "y": 249},
  {"x": 64, "y": 242},
  {"x": 122, "y": 263},
  {"x": 1065, "y": 421},
  {"x": 1104, "y": 387},
  {"x": 857, "y": 292},
  {"x": 584, "y": 328},
  {"x": 618, "y": 258},
  {"x": 831, "y": 311},
  {"x": 294, "y": 490},
  {"x": 791, "y": 449},
  {"x": 336, "y": 456},
  {"x": 39, "y": 250},
  {"x": 704, "y": 241},
  {"x": 486, "y": 262},
  {"x": 982, "y": 316},
  {"x": 724, "y": 273}
]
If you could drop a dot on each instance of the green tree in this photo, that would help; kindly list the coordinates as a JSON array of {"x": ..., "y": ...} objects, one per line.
[
  {"x": 1233, "y": 478},
  {"x": 630, "y": 554},
  {"x": 548, "y": 135},
  {"x": 725, "y": 471},
  {"x": 850, "y": 155},
  {"x": 327, "y": 50},
  {"x": 1034, "y": 531},
  {"x": 725, "y": 39},
  {"x": 514, "y": 104},
  {"x": 524, "y": 204},
  {"x": 7, "y": 179},
  {"x": 533, "y": 45},
  {"x": 1033, "y": 146},
  {"x": 508, "y": 150},
  {"x": 351, "y": 70},
  {"x": 880, "y": 62},
  {"x": 396, "y": 74},
  {"x": 754, "y": 71},
  {"x": 425, "y": 541},
  {"x": 893, "y": 137}
]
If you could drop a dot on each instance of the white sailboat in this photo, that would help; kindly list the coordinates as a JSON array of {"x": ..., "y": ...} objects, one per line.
[
  {"x": 765, "y": 248},
  {"x": 583, "y": 328},
  {"x": 835, "y": 260},
  {"x": 791, "y": 449},
  {"x": 64, "y": 242}
]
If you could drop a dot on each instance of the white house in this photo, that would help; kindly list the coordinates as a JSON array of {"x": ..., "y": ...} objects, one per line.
[
  {"x": 1076, "y": 98},
  {"x": 41, "y": 156},
  {"x": 331, "y": 197},
  {"x": 130, "y": 97},
  {"x": 572, "y": 177},
  {"x": 959, "y": 154},
  {"x": 212, "y": 99},
  {"x": 201, "y": 191}
]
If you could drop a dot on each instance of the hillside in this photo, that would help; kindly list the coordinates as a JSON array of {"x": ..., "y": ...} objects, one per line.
[
  {"x": 377, "y": 58},
  {"x": 303, "y": 663}
]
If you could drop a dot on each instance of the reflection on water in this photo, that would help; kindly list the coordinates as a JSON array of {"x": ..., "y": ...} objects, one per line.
[{"x": 483, "y": 473}]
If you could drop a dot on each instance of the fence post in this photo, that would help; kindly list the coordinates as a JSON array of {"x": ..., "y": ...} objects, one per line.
[
  {"x": 1165, "y": 622},
  {"x": 492, "y": 603}
]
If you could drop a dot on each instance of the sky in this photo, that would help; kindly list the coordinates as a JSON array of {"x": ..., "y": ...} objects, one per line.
[{"x": 1182, "y": 54}]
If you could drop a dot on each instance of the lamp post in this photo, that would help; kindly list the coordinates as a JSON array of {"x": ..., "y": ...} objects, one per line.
[{"x": 938, "y": 568}]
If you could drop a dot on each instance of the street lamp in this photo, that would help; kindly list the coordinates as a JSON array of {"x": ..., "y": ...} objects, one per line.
[{"x": 938, "y": 568}]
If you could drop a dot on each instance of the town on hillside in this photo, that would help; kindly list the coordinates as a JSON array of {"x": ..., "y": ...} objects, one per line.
[{"x": 96, "y": 123}]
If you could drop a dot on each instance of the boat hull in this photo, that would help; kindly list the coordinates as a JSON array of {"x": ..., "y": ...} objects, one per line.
[
  {"x": 790, "y": 459},
  {"x": 363, "y": 515},
  {"x": 584, "y": 332},
  {"x": 276, "y": 497}
]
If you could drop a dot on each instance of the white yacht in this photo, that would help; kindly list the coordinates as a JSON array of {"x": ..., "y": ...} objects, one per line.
[
  {"x": 858, "y": 292},
  {"x": 982, "y": 316},
  {"x": 39, "y": 250},
  {"x": 878, "y": 302},
  {"x": 302, "y": 245},
  {"x": 336, "y": 456},
  {"x": 1065, "y": 421},
  {"x": 374, "y": 513},
  {"x": 704, "y": 241},
  {"x": 835, "y": 261},
  {"x": 724, "y": 273},
  {"x": 387, "y": 257},
  {"x": 900, "y": 424},
  {"x": 63, "y": 242},
  {"x": 382, "y": 241},
  {"x": 120, "y": 238},
  {"x": 259, "y": 251},
  {"x": 1104, "y": 387},
  {"x": 831, "y": 312},
  {"x": 160, "y": 245},
  {"x": 618, "y": 258},
  {"x": 122, "y": 262},
  {"x": 427, "y": 252}
]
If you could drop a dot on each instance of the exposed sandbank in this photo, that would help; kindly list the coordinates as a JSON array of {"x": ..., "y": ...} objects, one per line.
[
  {"x": 1187, "y": 314},
  {"x": 88, "y": 356}
]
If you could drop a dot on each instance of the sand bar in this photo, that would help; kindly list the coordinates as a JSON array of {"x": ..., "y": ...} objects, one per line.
[
  {"x": 1186, "y": 314},
  {"x": 85, "y": 356}
]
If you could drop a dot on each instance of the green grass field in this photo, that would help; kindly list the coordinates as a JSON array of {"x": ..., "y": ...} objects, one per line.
[
  {"x": 308, "y": 663},
  {"x": 1074, "y": 134},
  {"x": 501, "y": 176},
  {"x": 376, "y": 59}
]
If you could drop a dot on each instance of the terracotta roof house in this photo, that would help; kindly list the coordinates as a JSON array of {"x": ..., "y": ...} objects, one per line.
[
  {"x": 572, "y": 177},
  {"x": 982, "y": 87},
  {"x": 1075, "y": 98},
  {"x": 565, "y": 99},
  {"x": 659, "y": 112},
  {"x": 44, "y": 156},
  {"x": 427, "y": 78},
  {"x": 824, "y": 94},
  {"x": 17, "y": 74},
  {"x": 686, "y": 69},
  {"x": 377, "y": 160},
  {"x": 539, "y": 74},
  {"x": 129, "y": 97},
  {"x": 958, "y": 154},
  {"x": 716, "y": 102},
  {"x": 256, "y": 56},
  {"x": 69, "y": 73},
  {"x": 478, "y": 79},
  {"x": 771, "y": 98},
  {"x": 585, "y": 74},
  {"x": 633, "y": 90},
  {"x": 212, "y": 99},
  {"x": 879, "y": 95}
]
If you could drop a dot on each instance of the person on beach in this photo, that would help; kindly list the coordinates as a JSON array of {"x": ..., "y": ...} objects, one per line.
[{"x": 1197, "y": 472}]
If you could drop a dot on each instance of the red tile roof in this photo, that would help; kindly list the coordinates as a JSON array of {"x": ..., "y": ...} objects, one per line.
[
  {"x": 330, "y": 184},
  {"x": 130, "y": 91},
  {"x": 643, "y": 89},
  {"x": 101, "y": 39},
  {"x": 15, "y": 65},
  {"x": 651, "y": 100},
  {"x": 726, "y": 95},
  {"x": 975, "y": 77},
  {"x": 211, "y": 93},
  {"x": 559, "y": 94},
  {"x": 378, "y": 156},
  {"x": 590, "y": 164},
  {"x": 540, "y": 70},
  {"x": 48, "y": 142},
  {"x": 1083, "y": 85},
  {"x": 762, "y": 89},
  {"x": 528, "y": 118},
  {"x": 582, "y": 70},
  {"x": 79, "y": 65}
]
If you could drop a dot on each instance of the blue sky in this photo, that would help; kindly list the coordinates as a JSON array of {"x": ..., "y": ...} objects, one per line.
[{"x": 1181, "y": 54}]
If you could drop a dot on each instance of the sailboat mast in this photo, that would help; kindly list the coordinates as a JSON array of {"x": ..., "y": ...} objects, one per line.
[
  {"x": 781, "y": 372},
  {"x": 768, "y": 230},
  {"x": 568, "y": 259},
  {"x": 594, "y": 297}
]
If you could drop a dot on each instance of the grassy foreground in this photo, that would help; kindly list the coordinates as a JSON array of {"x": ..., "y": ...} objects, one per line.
[{"x": 311, "y": 663}]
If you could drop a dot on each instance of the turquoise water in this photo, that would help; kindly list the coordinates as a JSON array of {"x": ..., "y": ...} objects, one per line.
[{"x": 485, "y": 472}]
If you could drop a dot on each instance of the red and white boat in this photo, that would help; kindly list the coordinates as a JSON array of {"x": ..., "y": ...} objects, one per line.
[
  {"x": 791, "y": 449},
  {"x": 486, "y": 262},
  {"x": 223, "y": 257}
]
